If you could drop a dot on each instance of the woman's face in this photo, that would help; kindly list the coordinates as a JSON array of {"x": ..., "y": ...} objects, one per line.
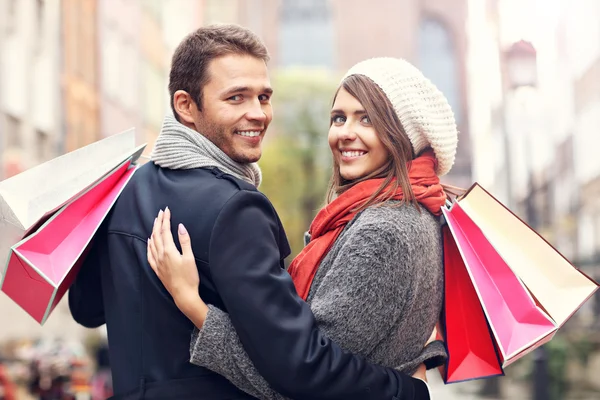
[{"x": 354, "y": 143}]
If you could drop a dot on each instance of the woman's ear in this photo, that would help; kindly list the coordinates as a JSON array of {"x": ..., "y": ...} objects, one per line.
[{"x": 184, "y": 106}]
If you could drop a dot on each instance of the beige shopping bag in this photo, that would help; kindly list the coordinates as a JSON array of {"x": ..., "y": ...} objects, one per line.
[
  {"x": 28, "y": 199},
  {"x": 559, "y": 287}
]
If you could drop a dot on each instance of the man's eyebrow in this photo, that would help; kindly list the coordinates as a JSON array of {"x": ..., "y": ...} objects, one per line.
[
  {"x": 235, "y": 89},
  {"x": 241, "y": 89}
]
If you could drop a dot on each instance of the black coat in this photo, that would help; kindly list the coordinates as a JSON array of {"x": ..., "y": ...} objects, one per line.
[{"x": 240, "y": 247}]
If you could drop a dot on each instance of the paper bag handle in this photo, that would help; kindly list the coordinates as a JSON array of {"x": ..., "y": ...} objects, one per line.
[{"x": 452, "y": 193}]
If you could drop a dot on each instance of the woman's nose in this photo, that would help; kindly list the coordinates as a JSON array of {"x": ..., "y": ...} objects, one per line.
[{"x": 346, "y": 132}]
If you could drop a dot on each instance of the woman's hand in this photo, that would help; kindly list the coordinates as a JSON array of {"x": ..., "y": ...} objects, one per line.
[
  {"x": 177, "y": 272},
  {"x": 421, "y": 373}
]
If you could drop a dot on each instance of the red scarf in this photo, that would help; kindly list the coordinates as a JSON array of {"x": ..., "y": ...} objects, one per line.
[{"x": 332, "y": 219}]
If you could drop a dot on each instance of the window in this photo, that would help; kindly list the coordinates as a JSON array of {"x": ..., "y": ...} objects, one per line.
[
  {"x": 111, "y": 59},
  {"x": 154, "y": 8},
  {"x": 306, "y": 33},
  {"x": 586, "y": 239},
  {"x": 129, "y": 94},
  {"x": 75, "y": 37},
  {"x": 87, "y": 52},
  {"x": 13, "y": 134},
  {"x": 216, "y": 11},
  {"x": 153, "y": 95},
  {"x": 40, "y": 16},
  {"x": 42, "y": 146},
  {"x": 11, "y": 17},
  {"x": 438, "y": 61}
]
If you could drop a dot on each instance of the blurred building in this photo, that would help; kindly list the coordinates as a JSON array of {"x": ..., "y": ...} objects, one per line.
[
  {"x": 30, "y": 106},
  {"x": 72, "y": 72},
  {"x": 31, "y": 120},
  {"x": 80, "y": 78},
  {"x": 582, "y": 39},
  {"x": 584, "y": 45},
  {"x": 335, "y": 34},
  {"x": 152, "y": 71},
  {"x": 119, "y": 56},
  {"x": 137, "y": 41},
  {"x": 535, "y": 147},
  {"x": 31, "y": 116}
]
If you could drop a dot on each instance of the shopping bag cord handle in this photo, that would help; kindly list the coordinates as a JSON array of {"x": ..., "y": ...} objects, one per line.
[{"x": 454, "y": 191}]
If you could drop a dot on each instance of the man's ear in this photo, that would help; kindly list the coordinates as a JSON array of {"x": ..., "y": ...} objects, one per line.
[{"x": 184, "y": 106}]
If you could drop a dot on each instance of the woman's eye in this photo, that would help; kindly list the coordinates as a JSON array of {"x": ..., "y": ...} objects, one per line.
[
  {"x": 338, "y": 119},
  {"x": 365, "y": 120}
]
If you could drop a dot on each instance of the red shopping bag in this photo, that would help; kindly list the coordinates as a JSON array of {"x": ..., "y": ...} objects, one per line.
[
  {"x": 518, "y": 324},
  {"x": 43, "y": 265},
  {"x": 471, "y": 350}
]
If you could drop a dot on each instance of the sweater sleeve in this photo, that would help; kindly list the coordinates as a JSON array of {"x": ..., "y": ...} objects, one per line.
[
  {"x": 358, "y": 302},
  {"x": 217, "y": 347}
]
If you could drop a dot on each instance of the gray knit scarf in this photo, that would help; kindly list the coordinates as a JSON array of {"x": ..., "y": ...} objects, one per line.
[{"x": 179, "y": 147}]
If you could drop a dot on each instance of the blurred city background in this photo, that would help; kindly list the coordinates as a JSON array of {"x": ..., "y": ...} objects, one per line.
[{"x": 523, "y": 77}]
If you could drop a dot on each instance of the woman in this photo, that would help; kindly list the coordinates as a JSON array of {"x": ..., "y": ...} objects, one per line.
[{"x": 372, "y": 271}]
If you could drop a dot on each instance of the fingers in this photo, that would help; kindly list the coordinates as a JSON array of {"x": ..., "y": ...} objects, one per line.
[
  {"x": 151, "y": 257},
  {"x": 185, "y": 241},
  {"x": 156, "y": 237},
  {"x": 161, "y": 245},
  {"x": 152, "y": 252},
  {"x": 167, "y": 236}
]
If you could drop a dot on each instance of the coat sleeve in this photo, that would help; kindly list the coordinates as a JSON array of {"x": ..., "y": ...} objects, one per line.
[
  {"x": 86, "y": 301},
  {"x": 270, "y": 331}
]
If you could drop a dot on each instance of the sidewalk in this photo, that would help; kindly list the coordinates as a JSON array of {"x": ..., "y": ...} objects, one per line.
[
  {"x": 469, "y": 390},
  {"x": 439, "y": 391}
]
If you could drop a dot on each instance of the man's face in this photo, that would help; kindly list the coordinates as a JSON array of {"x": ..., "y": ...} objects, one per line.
[{"x": 236, "y": 106}]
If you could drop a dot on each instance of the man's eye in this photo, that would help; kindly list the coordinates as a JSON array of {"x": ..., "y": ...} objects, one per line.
[
  {"x": 237, "y": 97},
  {"x": 264, "y": 97}
]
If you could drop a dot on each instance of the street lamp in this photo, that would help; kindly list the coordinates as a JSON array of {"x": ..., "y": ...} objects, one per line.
[
  {"x": 521, "y": 65},
  {"x": 521, "y": 68}
]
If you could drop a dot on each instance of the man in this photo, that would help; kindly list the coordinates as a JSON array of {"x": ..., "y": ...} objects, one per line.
[{"x": 204, "y": 169}]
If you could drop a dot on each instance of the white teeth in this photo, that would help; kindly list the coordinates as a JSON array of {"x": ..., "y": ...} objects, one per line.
[
  {"x": 353, "y": 153},
  {"x": 249, "y": 133}
]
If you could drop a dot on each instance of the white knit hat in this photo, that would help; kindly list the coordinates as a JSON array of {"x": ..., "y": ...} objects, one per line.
[{"x": 421, "y": 108}]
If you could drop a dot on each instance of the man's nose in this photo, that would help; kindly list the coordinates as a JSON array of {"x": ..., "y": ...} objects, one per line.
[{"x": 256, "y": 112}]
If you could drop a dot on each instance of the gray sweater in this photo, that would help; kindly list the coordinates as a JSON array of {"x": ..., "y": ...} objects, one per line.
[{"x": 377, "y": 293}]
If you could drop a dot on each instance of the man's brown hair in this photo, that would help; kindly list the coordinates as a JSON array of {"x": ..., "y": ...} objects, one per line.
[{"x": 193, "y": 55}]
